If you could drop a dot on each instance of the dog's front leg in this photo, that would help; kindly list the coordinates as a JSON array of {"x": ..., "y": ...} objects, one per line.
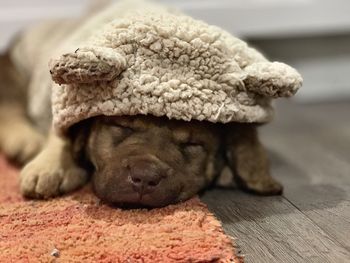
[
  {"x": 248, "y": 160},
  {"x": 19, "y": 140},
  {"x": 52, "y": 172}
]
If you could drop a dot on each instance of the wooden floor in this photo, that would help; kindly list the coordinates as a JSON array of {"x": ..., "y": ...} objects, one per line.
[{"x": 309, "y": 147}]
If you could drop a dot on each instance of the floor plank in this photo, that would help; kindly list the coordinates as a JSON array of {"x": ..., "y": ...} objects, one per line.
[
  {"x": 322, "y": 189},
  {"x": 270, "y": 229}
]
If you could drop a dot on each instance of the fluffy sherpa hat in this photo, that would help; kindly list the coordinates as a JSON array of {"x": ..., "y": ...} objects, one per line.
[{"x": 140, "y": 58}]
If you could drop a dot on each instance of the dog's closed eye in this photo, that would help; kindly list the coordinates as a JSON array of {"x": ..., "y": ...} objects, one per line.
[
  {"x": 191, "y": 145},
  {"x": 120, "y": 133},
  {"x": 124, "y": 128},
  {"x": 189, "y": 148}
]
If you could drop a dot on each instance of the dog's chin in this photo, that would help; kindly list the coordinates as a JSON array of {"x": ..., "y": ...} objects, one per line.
[
  {"x": 122, "y": 195},
  {"x": 135, "y": 200}
]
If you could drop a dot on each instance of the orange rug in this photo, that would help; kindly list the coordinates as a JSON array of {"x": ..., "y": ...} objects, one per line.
[{"x": 78, "y": 228}]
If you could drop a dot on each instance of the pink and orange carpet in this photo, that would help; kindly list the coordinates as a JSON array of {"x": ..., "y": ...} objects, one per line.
[{"x": 78, "y": 228}]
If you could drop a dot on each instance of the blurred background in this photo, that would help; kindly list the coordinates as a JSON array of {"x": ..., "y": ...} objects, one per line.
[{"x": 311, "y": 35}]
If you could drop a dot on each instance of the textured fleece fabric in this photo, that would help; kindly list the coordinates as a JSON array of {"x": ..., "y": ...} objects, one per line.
[{"x": 140, "y": 58}]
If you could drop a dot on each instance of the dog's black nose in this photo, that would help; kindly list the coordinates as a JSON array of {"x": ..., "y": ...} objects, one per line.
[
  {"x": 144, "y": 175},
  {"x": 144, "y": 183}
]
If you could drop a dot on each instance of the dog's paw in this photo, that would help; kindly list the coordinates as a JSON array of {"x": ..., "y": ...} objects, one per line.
[
  {"x": 263, "y": 186},
  {"x": 44, "y": 178},
  {"x": 21, "y": 143}
]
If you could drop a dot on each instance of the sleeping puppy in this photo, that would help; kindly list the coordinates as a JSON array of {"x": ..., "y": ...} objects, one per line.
[
  {"x": 132, "y": 160},
  {"x": 148, "y": 161}
]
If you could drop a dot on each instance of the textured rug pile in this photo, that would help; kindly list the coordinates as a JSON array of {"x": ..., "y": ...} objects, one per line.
[{"x": 78, "y": 228}]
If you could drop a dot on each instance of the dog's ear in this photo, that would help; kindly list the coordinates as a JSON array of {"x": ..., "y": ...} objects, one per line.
[
  {"x": 78, "y": 135},
  {"x": 87, "y": 65},
  {"x": 248, "y": 160}
]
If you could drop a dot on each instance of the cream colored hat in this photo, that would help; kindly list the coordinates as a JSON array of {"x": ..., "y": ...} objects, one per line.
[{"x": 152, "y": 61}]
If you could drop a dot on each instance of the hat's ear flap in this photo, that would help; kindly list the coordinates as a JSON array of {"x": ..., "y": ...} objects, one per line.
[
  {"x": 272, "y": 79},
  {"x": 87, "y": 65}
]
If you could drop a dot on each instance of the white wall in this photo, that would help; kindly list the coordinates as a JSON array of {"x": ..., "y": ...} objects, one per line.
[
  {"x": 18, "y": 14},
  {"x": 288, "y": 30}
]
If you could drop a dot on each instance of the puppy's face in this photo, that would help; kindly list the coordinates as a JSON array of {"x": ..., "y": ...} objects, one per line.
[{"x": 150, "y": 161}]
